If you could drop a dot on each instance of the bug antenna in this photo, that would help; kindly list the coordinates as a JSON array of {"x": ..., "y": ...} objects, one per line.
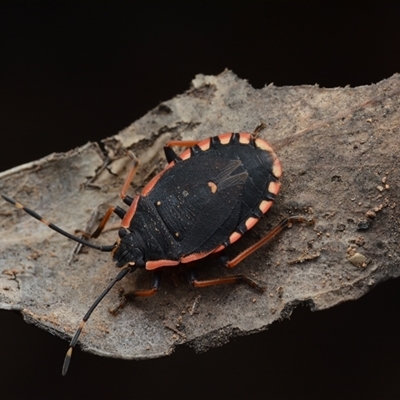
[
  {"x": 78, "y": 332},
  {"x": 35, "y": 215}
]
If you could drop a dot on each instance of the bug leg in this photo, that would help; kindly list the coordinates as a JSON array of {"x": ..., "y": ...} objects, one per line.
[
  {"x": 90, "y": 181},
  {"x": 115, "y": 209},
  {"x": 222, "y": 281},
  {"x": 258, "y": 129},
  {"x": 286, "y": 222},
  {"x": 100, "y": 228},
  {"x": 124, "y": 196},
  {"x": 123, "y": 193},
  {"x": 182, "y": 143},
  {"x": 170, "y": 154},
  {"x": 139, "y": 293}
]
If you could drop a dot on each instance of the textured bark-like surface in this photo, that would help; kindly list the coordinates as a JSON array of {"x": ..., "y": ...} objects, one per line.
[{"x": 340, "y": 151}]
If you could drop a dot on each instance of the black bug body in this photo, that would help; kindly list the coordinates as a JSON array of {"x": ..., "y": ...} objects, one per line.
[{"x": 203, "y": 201}]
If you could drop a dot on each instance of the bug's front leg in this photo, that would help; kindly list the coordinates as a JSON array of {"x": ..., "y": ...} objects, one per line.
[{"x": 129, "y": 296}]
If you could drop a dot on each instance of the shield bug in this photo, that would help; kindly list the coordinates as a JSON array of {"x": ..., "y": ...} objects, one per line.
[{"x": 204, "y": 200}]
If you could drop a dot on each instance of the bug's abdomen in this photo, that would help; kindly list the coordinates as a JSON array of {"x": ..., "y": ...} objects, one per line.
[
  {"x": 200, "y": 212},
  {"x": 219, "y": 189}
]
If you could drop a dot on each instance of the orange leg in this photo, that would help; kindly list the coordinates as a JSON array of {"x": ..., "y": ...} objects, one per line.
[
  {"x": 103, "y": 222},
  {"x": 232, "y": 263},
  {"x": 170, "y": 155},
  {"x": 115, "y": 209},
  {"x": 139, "y": 293},
  {"x": 223, "y": 281},
  {"x": 182, "y": 143},
  {"x": 123, "y": 193},
  {"x": 267, "y": 238}
]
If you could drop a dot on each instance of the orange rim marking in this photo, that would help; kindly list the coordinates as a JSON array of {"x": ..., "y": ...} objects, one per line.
[
  {"x": 225, "y": 138},
  {"x": 277, "y": 169},
  {"x": 212, "y": 186},
  {"x": 274, "y": 187},
  {"x": 150, "y": 265},
  {"x": 265, "y": 205},
  {"x": 251, "y": 222},
  {"x": 244, "y": 138},
  {"x": 263, "y": 145},
  {"x": 194, "y": 257},
  {"x": 235, "y": 236},
  {"x": 125, "y": 223}
]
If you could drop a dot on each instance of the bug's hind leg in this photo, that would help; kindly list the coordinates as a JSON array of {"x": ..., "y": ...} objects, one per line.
[
  {"x": 235, "y": 261},
  {"x": 222, "y": 281},
  {"x": 129, "y": 296},
  {"x": 286, "y": 222}
]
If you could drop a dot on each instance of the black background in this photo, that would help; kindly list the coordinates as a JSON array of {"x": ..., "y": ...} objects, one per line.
[{"x": 74, "y": 72}]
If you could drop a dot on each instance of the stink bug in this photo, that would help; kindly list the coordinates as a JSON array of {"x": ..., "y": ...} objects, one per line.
[{"x": 203, "y": 201}]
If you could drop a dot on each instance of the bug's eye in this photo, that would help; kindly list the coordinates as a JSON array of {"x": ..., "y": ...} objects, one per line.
[{"x": 122, "y": 232}]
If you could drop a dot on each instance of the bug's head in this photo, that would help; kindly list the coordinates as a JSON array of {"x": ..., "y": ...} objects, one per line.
[{"x": 128, "y": 251}]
